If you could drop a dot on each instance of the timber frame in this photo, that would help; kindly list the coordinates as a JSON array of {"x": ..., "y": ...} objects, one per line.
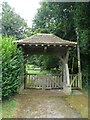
[{"x": 49, "y": 44}]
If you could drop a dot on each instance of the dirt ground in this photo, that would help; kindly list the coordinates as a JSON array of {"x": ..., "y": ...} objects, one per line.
[{"x": 43, "y": 104}]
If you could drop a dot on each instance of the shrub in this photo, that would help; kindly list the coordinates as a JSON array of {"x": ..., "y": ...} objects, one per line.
[{"x": 12, "y": 66}]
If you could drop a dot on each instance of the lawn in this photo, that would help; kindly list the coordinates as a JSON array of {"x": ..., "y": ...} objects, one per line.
[
  {"x": 79, "y": 103},
  {"x": 38, "y": 72},
  {"x": 32, "y": 69},
  {"x": 9, "y": 107},
  {"x": 0, "y": 110}
]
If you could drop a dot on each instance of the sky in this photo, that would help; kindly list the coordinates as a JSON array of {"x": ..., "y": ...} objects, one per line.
[{"x": 25, "y": 8}]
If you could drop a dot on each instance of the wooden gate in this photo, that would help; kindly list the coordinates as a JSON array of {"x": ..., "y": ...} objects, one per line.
[
  {"x": 47, "y": 81},
  {"x": 74, "y": 81}
]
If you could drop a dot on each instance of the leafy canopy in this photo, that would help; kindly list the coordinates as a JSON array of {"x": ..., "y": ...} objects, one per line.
[
  {"x": 12, "y": 23},
  {"x": 62, "y": 19}
]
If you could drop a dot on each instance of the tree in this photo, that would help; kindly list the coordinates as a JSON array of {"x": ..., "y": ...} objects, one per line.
[
  {"x": 62, "y": 19},
  {"x": 12, "y": 23},
  {"x": 56, "y": 18},
  {"x": 45, "y": 61},
  {"x": 81, "y": 22}
]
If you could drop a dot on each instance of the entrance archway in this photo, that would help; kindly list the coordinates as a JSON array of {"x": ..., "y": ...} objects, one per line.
[
  {"x": 44, "y": 77},
  {"x": 49, "y": 44}
]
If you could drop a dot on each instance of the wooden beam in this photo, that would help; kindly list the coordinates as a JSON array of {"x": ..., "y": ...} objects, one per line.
[
  {"x": 54, "y": 45},
  {"x": 67, "y": 74},
  {"x": 36, "y": 44},
  {"x": 42, "y": 45},
  {"x": 25, "y": 61},
  {"x": 48, "y": 45},
  {"x": 60, "y": 45},
  {"x": 45, "y": 48},
  {"x": 67, "y": 55},
  {"x": 64, "y": 75},
  {"x": 62, "y": 59},
  {"x": 75, "y": 46},
  {"x": 67, "y": 86},
  {"x": 65, "y": 69},
  {"x": 23, "y": 44}
]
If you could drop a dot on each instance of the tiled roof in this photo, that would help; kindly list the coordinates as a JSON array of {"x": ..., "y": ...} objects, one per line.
[{"x": 47, "y": 39}]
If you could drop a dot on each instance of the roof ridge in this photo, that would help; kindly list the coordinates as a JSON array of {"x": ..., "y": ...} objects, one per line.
[{"x": 44, "y": 34}]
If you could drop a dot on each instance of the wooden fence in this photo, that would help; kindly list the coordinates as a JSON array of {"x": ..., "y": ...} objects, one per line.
[
  {"x": 44, "y": 81},
  {"x": 49, "y": 81},
  {"x": 74, "y": 82}
]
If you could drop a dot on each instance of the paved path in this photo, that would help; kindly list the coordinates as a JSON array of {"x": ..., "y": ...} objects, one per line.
[{"x": 44, "y": 104}]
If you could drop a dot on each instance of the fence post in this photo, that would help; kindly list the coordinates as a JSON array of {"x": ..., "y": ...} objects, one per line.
[{"x": 80, "y": 80}]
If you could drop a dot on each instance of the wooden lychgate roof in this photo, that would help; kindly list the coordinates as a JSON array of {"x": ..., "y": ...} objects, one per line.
[{"x": 45, "y": 39}]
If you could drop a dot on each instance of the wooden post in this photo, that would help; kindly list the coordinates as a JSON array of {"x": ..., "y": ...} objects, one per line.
[
  {"x": 67, "y": 74},
  {"x": 63, "y": 68},
  {"x": 67, "y": 86},
  {"x": 79, "y": 64},
  {"x": 66, "y": 79},
  {"x": 25, "y": 72},
  {"x": 67, "y": 56},
  {"x": 66, "y": 67}
]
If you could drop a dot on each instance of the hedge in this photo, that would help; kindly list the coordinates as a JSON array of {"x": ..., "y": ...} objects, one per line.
[{"x": 12, "y": 67}]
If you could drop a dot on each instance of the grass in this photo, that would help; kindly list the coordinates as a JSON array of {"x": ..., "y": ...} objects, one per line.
[
  {"x": 85, "y": 91},
  {"x": 9, "y": 107},
  {"x": 0, "y": 110},
  {"x": 79, "y": 103},
  {"x": 38, "y": 71},
  {"x": 31, "y": 71}
]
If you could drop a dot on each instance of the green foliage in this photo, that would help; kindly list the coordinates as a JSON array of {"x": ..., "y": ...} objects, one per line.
[
  {"x": 12, "y": 23},
  {"x": 62, "y": 19},
  {"x": 50, "y": 61},
  {"x": 12, "y": 66},
  {"x": 0, "y": 71},
  {"x": 82, "y": 21},
  {"x": 56, "y": 18},
  {"x": 45, "y": 61},
  {"x": 84, "y": 42}
]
